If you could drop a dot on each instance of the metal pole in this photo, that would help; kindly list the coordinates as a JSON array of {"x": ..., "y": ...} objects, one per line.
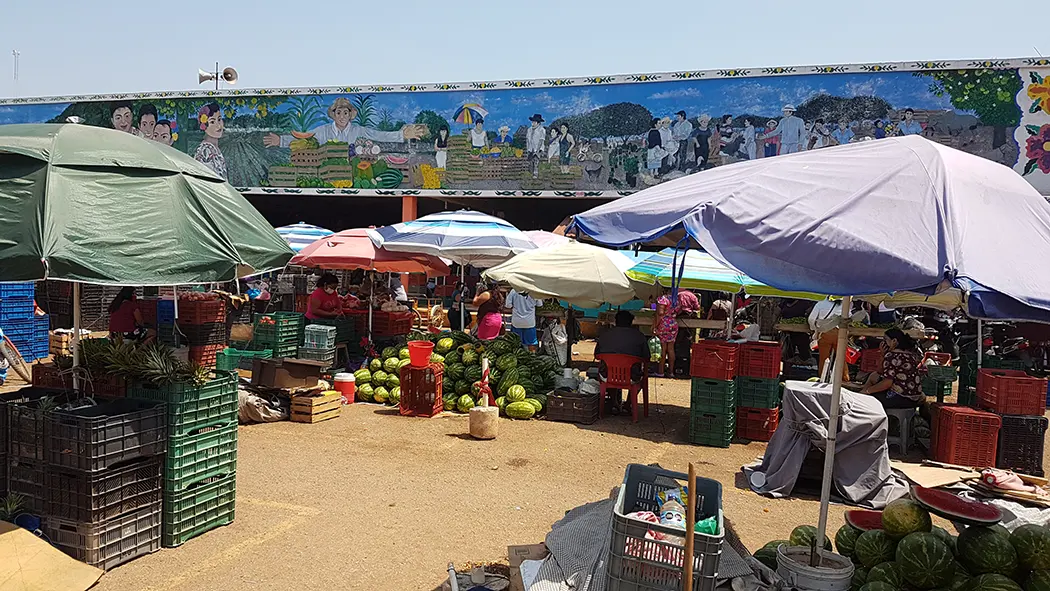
[
  {"x": 729, "y": 320},
  {"x": 833, "y": 428},
  {"x": 76, "y": 335},
  {"x": 462, "y": 300},
  {"x": 980, "y": 343},
  {"x": 216, "y": 75}
]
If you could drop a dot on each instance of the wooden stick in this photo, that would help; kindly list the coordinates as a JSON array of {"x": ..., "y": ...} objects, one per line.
[{"x": 690, "y": 529}]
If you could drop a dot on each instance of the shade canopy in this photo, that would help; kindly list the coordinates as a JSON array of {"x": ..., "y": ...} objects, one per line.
[
  {"x": 897, "y": 214},
  {"x": 543, "y": 239},
  {"x": 96, "y": 205},
  {"x": 466, "y": 237},
  {"x": 353, "y": 249},
  {"x": 580, "y": 274},
  {"x": 300, "y": 235}
]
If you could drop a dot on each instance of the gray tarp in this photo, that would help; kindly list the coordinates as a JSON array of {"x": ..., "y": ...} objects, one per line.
[{"x": 862, "y": 474}]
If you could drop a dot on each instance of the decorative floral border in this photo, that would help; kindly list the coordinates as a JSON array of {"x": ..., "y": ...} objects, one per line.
[
  {"x": 911, "y": 66},
  {"x": 1033, "y": 133}
]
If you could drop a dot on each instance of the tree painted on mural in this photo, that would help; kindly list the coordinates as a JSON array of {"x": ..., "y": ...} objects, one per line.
[
  {"x": 987, "y": 93},
  {"x": 837, "y": 108},
  {"x": 621, "y": 120},
  {"x": 432, "y": 120}
]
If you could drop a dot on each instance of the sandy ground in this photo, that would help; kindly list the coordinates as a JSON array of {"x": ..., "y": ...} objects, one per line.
[{"x": 372, "y": 500}]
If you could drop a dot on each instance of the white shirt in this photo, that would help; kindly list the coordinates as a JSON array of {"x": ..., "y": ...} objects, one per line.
[
  {"x": 791, "y": 129},
  {"x": 397, "y": 288},
  {"x": 681, "y": 129},
  {"x": 479, "y": 139},
  {"x": 348, "y": 134},
  {"x": 535, "y": 138},
  {"x": 824, "y": 316},
  {"x": 523, "y": 310}
]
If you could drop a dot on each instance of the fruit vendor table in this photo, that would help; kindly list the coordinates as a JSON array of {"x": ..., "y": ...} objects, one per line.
[
  {"x": 856, "y": 332},
  {"x": 685, "y": 322}
]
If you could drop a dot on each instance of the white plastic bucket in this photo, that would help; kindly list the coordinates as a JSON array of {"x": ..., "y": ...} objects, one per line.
[{"x": 834, "y": 574}]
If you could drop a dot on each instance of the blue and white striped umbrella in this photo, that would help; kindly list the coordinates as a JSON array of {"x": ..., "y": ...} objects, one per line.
[
  {"x": 301, "y": 235},
  {"x": 466, "y": 237}
]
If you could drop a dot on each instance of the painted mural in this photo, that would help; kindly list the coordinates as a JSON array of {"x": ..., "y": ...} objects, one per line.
[{"x": 575, "y": 137}]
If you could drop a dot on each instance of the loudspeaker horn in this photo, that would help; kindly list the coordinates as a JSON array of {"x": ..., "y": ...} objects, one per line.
[
  {"x": 203, "y": 76},
  {"x": 229, "y": 75}
]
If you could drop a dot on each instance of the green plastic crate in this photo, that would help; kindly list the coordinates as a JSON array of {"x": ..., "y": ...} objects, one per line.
[
  {"x": 967, "y": 396},
  {"x": 323, "y": 355},
  {"x": 936, "y": 388},
  {"x": 345, "y": 331},
  {"x": 194, "y": 511},
  {"x": 712, "y": 429},
  {"x": 230, "y": 359},
  {"x": 194, "y": 458},
  {"x": 717, "y": 396},
  {"x": 757, "y": 392},
  {"x": 190, "y": 407},
  {"x": 942, "y": 373}
]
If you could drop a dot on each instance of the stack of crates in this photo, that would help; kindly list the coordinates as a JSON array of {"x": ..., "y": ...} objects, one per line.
[
  {"x": 1020, "y": 401},
  {"x": 713, "y": 395},
  {"x": 200, "y": 471},
  {"x": 758, "y": 390},
  {"x": 201, "y": 324},
  {"x": 938, "y": 381},
  {"x": 346, "y": 332},
  {"x": 964, "y": 436},
  {"x": 281, "y": 332},
  {"x": 20, "y": 323},
  {"x": 319, "y": 344}
]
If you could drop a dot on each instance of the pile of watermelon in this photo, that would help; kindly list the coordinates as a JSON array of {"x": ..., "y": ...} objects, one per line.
[
  {"x": 380, "y": 380},
  {"x": 900, "y": 549}
]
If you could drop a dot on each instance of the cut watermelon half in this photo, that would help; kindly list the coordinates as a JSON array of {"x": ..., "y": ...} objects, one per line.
[
  {"x": 864, "y": 520},
  {"x": 955, "y": 508}
]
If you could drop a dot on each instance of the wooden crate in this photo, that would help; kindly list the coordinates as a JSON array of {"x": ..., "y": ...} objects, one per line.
[
  {"x": 60, "y": 344},
  {"x": 314, "y": 409}
]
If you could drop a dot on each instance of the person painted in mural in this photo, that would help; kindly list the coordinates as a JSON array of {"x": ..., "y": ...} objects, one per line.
[
  {"x": 671, "y": 146},
  {"x": 164, "y": 132},
  {"x": 730, "y": 143},
  {"x": 700, "y": 139},
  {"x": 535, "y": 140},
  {"x": 843, "y": 135},
  {"x": 566, "y": 142},
  {"x": 770, "y": 142},
  {"x": 791, "y": 130},
  {"x": 213, "y": 126},
  {"x": 503, "y": 137},
  {"x": 441, "y": 146},
  {"x": 819, "y": 137},
  {"x": 655, "y": 152},
  {"x": 479, "y": 138},
  {"x": 880, "y": 129},
  {"x": 121, "y": 117},
  {"x": 342, "y": 129},
  {"x": 147, "y": 121},
  {"x": 554, "y": 147},
  {"x": 749, "y": 145},
  {"x": 680, "y": 133},
  {"x": 908, "y": 124}
]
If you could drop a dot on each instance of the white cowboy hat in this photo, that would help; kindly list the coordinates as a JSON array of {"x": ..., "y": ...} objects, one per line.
[{"x": 789, "y": 107}]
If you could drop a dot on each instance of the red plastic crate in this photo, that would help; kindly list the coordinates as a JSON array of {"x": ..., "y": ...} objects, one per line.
[
  {"x": 756, "y": 424},
  {"x": 715, "y": 360},
  {"x": 205, "y": 355},
  {"x": 47, "y": 375},
  {"x": 201, "y": 311},
  {"x": 1010, "y": 392},
  {"x": 391, "y": 324},
  {"x": 964, "y": 436},
  {"x": 871, "y": 360},
  {"x": 421, "y": 391},
  {"x": 759, "y": 359},
  {"x": 148, "y": 311}
]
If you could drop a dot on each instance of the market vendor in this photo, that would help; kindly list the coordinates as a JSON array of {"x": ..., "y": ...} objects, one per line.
[
  {"x": 622, "y": 339},
  {"x": 343, "y": 129},
  {"x": 397, "y": 289},
  {"x": 490, "y": 312},
  {"x": 324, "y": 302},
  {"x": 125, "y": 319},
  {"x": 899, "y": 384},
  {"x": 522, "y": 308}
]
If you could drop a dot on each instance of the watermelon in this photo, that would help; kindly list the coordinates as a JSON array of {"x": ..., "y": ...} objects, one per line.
[
  {"x": 874, "y": 547},
  {"x": 390, "y": 365},
  {"x": 501, "y": 402},
  {"x": 1032, "y": 543},
  {"x": 392, "y": 381},
  {"x": 925, "y": 560},
  {"x": 890, "y": 573},
  {"x": 379, "y": 377},
  {"x": 401, "y": 364},
  {"x": 954, "y": 508},
  {"x": 444, "y": 345},
  {"x": 494, "y": 375},
  {"x": 375, "y": 365},
  {"x": 864, "y": 520},
  {"x": 389, "y": 352},
  {"x": 945, "y": 537},
  {"x": 464, "y": 403},
  {"x": 878, "y": 586},
  {"x": 461, "y": 338},
  {"x": 507, "y": 361},
  {"x": 435, "y": 358},
  {"x": 395, "y": 396},
  {"x": 905, "y": 516},
  {"x": 462, "y": 387},
  {"x": 535, "y": 404},
  {"x": 470, "y": 358},
  {"x": 961, "y": 577},
  {"x": 846, "y": 539},
  {"x": 803, "y": 535},
  {"x": 767, "y": 554},
  {"x": 380, "y": 394},
  {"x": 455, "y": 372},
  {"x": 520, "y": 410},
  {"x": 515, "y": 393},
  {"x": 472, "y": 373},
  {"x": 364, "y": 393},
  {"x": 541, "y": 399},
  {"x": 402, "y": 353},
  {"x": 991, "y": 582},
  {"x": 362, "y": 376},
  {"x": 860, "y": 576},
  {"x": 450, "y": 401},
  {"x": 1037, "y": 580},
  {"x": 453, "y": 357},
  {"x": 983, "y": 550}
]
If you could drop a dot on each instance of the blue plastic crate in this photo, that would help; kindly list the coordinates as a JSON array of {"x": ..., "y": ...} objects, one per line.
[
  {"x": 16, "y": 309},
  {"x": 165, "y": 311},
  {"x": 17, "y": 290},
  {"x": 18, "y": 329},
  {"x": 42, "y": 326}
]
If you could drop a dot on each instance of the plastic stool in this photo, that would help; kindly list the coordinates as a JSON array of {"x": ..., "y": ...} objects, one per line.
[{"x": 904, "y": 417}]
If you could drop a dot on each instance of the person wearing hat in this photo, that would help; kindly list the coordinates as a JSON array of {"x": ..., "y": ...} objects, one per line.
[
  {"x": 343, "y": 129},
  {"x": 503, "y": 137},
  {"x": 791, "y": 130},
  {"x": 535, "y": 141}
]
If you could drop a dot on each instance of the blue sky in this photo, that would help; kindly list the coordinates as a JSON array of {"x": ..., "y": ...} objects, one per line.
[{"x": 71, "y": 46}]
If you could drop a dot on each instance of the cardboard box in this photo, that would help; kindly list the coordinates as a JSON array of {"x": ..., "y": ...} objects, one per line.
[
  {"x": 286, "y": 373},
  {"x": 518, "y": 554}
]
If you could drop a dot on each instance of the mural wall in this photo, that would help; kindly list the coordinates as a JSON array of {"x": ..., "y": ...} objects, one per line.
[{"x": 575, "y": 137}]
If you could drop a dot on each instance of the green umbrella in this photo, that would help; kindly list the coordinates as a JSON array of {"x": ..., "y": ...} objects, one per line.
[{"x": 94, "y": 205}]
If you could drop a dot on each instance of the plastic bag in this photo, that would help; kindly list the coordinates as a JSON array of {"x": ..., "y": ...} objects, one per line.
[
  {"x": 556, "y": 342},
  {"x": 654, "y": 350}
]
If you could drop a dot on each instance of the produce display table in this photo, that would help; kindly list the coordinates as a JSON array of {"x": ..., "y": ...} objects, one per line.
[
  {"x": 857, "y": 332},
  {"x": 684, "y": 322}
]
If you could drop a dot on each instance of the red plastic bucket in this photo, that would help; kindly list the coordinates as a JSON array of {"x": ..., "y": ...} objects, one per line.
[{"x": 419, "y": 353}]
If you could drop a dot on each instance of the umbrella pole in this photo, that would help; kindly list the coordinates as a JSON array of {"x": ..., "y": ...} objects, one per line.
[
  {"x": 569, "y": 324},
  {"x": 980, "y": 343},
  {"x": 371, "y": 294},
  {"x": 462, "y": 301},
  {"x": 76, "y": 334},
  {"x": 729, "y": 320},
  {"x": 833, "y": 428}
]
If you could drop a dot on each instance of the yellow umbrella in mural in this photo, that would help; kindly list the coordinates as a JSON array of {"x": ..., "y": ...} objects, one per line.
[{"x": 469, "y": 113}]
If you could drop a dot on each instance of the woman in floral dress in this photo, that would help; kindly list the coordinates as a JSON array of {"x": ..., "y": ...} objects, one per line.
[
  {"x": 208, "y": 153},
  {"x": 665, "y": 328}
]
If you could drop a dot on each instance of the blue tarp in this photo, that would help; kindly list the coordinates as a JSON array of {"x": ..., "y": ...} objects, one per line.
[{"x": 899, "y": 214}]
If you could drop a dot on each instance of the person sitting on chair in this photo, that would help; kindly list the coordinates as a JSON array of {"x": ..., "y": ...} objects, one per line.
[
  {"x": 899, "y": 384},
  {"x": 622, "y": 339}
]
